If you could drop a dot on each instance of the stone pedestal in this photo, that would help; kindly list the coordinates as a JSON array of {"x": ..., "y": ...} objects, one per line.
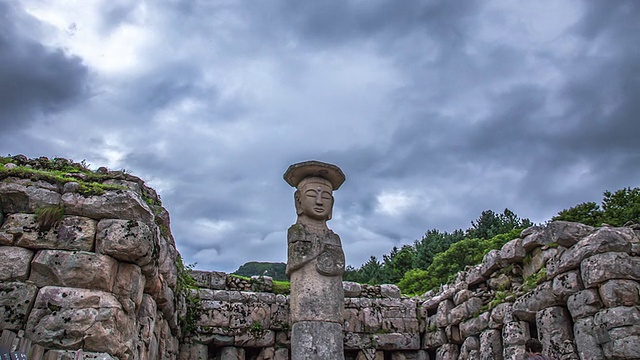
[{"x": 316, "y": 340}]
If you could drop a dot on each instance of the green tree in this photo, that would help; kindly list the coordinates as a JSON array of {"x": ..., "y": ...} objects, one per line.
[
  {"x": 397, "y": 263},
  {"x": 448, "y": 263},
  {"x": 490, "y": 224},
  {"x": 432, "y": 243},
  {"x": 617, "y": 209},
  {"x": 370, "y": 272},
  {"x": 621, "y": 206},
  {"x": 588, "y": 213}
]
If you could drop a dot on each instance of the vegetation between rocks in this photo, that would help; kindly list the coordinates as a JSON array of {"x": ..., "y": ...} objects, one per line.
[{"x": 186, "y": 288}]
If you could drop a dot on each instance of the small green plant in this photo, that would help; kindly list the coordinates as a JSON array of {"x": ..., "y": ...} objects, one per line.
[
  {"x": 527, "y": 259},
  {"x": 185, "y": 286},
  {"x": 49, "y": 216},
  {"x": 256, "y": 329},
  {"x": 532, "y": 281}
]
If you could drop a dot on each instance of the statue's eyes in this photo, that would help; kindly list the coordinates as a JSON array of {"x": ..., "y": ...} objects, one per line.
[
  {"x": 310, "y": 193},
  {"x": 326, "y": 196}
]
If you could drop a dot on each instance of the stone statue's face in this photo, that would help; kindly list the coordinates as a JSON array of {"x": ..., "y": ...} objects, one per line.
[{"x": 314, "y": 200}]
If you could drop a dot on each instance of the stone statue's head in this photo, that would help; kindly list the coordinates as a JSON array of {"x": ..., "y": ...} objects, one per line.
[{"x": 314, "y": 199}]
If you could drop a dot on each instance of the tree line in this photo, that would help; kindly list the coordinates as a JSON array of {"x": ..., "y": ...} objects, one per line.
[{"x": 438, "y": 256}]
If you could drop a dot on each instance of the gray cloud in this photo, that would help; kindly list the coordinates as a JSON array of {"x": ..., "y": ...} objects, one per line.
[{"x": 34, "y": 79}]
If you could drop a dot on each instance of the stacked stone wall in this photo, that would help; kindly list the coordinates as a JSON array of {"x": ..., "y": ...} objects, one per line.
[
  {"x": 99, "y": 281},
  {"x": 572, "y": 286}
]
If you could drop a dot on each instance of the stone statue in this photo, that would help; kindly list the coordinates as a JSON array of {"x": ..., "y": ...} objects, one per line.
[{"x": 315, "y": 264}]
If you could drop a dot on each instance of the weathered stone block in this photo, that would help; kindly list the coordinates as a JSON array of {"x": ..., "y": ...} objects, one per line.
[
  {"x": 617, "y": 317},
  {"x": 464, "y": 310},
  {"x": 614, "y": 265},
  {"x": 491, "y": 345},
  {"x": 129, "y": 286},
  {"x": 555, "y": 331},
  {"x": 231, "y": 353},
  {"x": 500, "y": 282},
  {"x": 127, "y": 240},
  {"x": 620, "y": 293},
  {"x": 474, "y": 275},
  {"x": 119, "y": 204},
  {"x": 396, "y": 341},
  {"x": 17, "y": 225},
  {"x": 72, "y": 233},
  {"x": 448, "y": 352},
  {"x": 433, "y": 299},
  {"x": 194, "y": 351},
  {"x": 355, "y": 341},
  {"x": 513, "y": 251},
  {"x": 566, "y": 233},
  {"x": 491, "y": 262},
  {"x": 536, "y": 239},
  {"x": 501, "y": 314},
  {"x": 434, "y": 338},
  {"x": 584, "y": 303},
  {"x": 462, "y": 296},
  {"x": 515, "y": 352},
  {"x": 78, "y": 269},
  {"x": 586, "y": 341},
  {"x": 15, "y": 263},
  {"x": 515, "y": 333},
  {"x": 16, "y": 197},
  {"x": 470, "y": 348},
  {"x": 526, "y": 306},
  {"x": 167, "y": 260},
  {"x": 627, "y": 348},
  {"x": 16, "y": 299},
  {"x": 538, "y": 260},
  {"x": 453, "y": 334},
  {"x": 372, "y": 318},
  {"x": 214, "y": 313},
  {"x": 624, "y": 344},
  {"x": 262, "y": 338},
  {"x": 68, "y": 318},
  {"x": 475, "y": 325},
  {"x": 567, "y": 284},
  {"x": 282, "y": 354},
  {"x": 604, "y": 240},
  {"x": 13, "y": 196},
  {"x": 442, "y": 315},
  {"x": 351, "y": 289},
  {"x": 390, "y": 291}
]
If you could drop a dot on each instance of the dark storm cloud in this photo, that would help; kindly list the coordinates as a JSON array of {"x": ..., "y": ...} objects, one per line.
[
  {"x": 34, "y": 79},
  {"x": 334, "y": 22}
]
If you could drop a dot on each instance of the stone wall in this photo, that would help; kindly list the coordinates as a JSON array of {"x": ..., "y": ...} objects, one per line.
[
  {"x": 99, "y": 280},
  {"x": 572, "y": 286}
]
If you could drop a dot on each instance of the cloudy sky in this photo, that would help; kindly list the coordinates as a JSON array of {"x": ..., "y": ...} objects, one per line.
[{"x": 435, "y": 110}]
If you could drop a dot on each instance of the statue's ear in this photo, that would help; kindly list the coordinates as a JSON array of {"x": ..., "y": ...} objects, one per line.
[{"x": 296, "y": 200}]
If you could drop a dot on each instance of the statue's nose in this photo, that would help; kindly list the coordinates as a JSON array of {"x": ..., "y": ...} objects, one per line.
[{"x": 319, "y": 199}]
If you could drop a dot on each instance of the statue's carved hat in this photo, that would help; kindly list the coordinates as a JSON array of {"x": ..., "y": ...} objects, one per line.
[{"x": 297, "y": 172}]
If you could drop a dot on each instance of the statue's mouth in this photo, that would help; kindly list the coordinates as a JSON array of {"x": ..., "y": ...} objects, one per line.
[{"x": 318, "y": 209}]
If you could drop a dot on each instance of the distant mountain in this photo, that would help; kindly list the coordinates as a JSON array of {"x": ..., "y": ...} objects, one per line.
[{"x": 272, "y": 269}]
